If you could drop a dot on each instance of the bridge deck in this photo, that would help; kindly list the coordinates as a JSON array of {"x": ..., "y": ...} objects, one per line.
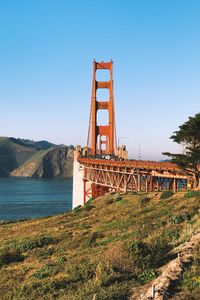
[{"x": 150, "y": 165}]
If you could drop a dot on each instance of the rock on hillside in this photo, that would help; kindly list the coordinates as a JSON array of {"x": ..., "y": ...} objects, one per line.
[{"x": 54, "y": 162}]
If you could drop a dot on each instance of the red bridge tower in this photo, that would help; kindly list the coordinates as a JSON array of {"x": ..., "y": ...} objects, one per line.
[{"x": 102, "y": 138}]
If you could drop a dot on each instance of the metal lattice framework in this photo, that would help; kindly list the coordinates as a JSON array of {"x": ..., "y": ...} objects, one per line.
[{"x": 133, "y": 175}]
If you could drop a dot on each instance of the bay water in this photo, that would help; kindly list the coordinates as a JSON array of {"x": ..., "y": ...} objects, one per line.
[{"x": 25, "y": 198}]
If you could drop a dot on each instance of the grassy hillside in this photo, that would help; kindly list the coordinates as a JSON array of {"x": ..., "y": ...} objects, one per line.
[
  {"x": 111, "y": 246},
  {"x": 13, "y": 154}
]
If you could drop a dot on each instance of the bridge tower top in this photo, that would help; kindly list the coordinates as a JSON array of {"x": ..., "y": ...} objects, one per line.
[{"x": 102, "y": 138}]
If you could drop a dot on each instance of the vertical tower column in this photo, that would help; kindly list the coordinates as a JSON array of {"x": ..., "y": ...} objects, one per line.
[{"x": 96, "y": 132}]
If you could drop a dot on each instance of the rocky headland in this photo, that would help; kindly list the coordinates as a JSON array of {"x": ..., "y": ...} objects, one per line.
[
  {"x": 27, "y": 158},
  {"x": 54, "y": 162}
]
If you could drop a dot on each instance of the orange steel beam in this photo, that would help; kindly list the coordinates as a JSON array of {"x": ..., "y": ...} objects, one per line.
[{"x": 108, "y": 130}]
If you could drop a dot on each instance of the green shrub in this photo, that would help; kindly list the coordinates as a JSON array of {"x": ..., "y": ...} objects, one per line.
[
  {"x": 29, "y": 244},
  {"x": 146, "y": 276},
  {"x": 140, "y": 254},
  {"x": 82, "y": 272},
  {"x": 166, "y": 194},
  {"x": 180, "y": 218},
  {"x": 170, "y": 235},
  {"x": 190, "y": 284},
  {"x": 116, "y": 291},
  {"x": 43, "y": 252},
  {"x": 191, "y": 194},
  {"x": 88, "y": 207},
  {"x": 133, "y": 193},
  {"x": 145, "y": 200},
  {"x": 159, "y": 248},
  {"x": 7, "y": 257},
  {"x": 60, "y": 283},
  {"x": 46, "y": 271},
  {"x": 33, "y": 290},
  {"x": 109, "y": 201},
  {"x": 77, "y": 209},
  {"x": 38, "y": 242},
  {"x": 61, "y": 259},
  {"x": 122, "y": 202},
  {"x": 89, "y": 202},
  {"x": 117, "y": 199},
  {"x": 150, "y": 255}
]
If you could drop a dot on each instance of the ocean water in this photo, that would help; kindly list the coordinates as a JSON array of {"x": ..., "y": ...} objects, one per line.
[{"x": 25, "y": 198}]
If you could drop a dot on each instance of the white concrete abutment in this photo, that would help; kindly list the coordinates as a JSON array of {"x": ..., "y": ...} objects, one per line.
[{"x": 78, "y": 183}]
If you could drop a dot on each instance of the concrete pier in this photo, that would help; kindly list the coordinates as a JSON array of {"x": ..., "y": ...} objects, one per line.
[{"x": 79, "y": 190}]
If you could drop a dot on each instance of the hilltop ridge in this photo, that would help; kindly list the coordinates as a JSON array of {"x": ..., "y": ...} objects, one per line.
[{"x": 42, "y": 145}]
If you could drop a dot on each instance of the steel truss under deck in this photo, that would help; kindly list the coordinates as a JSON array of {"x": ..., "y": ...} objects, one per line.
[{"x": 133, "y": 175}]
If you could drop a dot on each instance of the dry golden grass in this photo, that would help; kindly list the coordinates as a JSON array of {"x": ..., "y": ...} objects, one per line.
[{"x": 105, "y": 249}]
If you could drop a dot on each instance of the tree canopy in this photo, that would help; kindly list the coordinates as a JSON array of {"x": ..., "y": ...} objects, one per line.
[{"x": 189, "y": 136}]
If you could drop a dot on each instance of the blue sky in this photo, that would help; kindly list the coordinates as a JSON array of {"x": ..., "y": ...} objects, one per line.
[{"x": 46, "y": 52}]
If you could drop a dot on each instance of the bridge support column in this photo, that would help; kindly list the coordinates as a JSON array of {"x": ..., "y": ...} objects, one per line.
[
  {"x": 139, "y": 182},
  {"x": 146, "y": 185},
  {"x": 175, "y": 186},
  {"x": 125, "y": 187},
  {"x": 151, "y": 183},
  {"x": 80, "y": 186},
  {"x": 157, "y": 184},
  {"x": 84, "y": 191}
]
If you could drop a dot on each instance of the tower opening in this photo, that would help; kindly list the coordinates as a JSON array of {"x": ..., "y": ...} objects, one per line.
[
  {"x": 102, "y": 117},
  {"x": 103, "y": 75},
  {"x": 103, "y": 95}
]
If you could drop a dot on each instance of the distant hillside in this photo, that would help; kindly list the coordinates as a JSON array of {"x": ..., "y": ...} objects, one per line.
[
  {"x": 42, "y": 145},
  {"x": 24, "y": 157},
  {"x": 13, "y": 154},
  {"x": 54, "y": 162},
  {"x": 165, "y": 160}
]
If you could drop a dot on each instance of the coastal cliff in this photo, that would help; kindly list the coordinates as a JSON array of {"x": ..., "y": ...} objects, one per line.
[
  {"x": 13, "y": 153},
  {"x": 54, "y": 162},
  {"x": 28, "y": 158}
]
